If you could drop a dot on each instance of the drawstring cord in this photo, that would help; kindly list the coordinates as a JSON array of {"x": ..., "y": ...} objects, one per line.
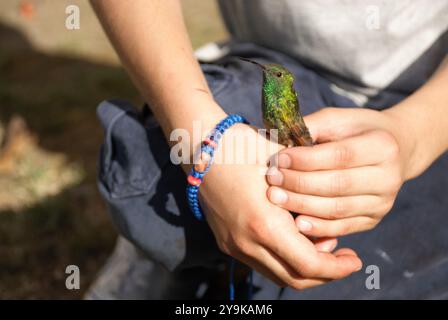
[
  {"x": 232, "y": 281},
  {"x": 251, "y": 285}
]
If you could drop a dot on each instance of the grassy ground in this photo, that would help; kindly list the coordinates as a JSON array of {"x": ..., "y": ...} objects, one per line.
[{"x": 53, "y": 78}]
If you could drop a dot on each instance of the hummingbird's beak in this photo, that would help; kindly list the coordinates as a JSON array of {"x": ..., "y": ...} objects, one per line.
[{"x": 254, "y": 62}]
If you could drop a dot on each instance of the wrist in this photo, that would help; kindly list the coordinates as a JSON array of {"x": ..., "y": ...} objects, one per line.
[
  {"x": 186, "y": 122},
  {"x": 411, "y": 143},
  {"x": 198, "y": 110},
  {"x": 206, "y": 158}
]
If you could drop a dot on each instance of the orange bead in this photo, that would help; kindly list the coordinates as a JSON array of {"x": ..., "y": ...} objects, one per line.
[{"x": 194, "y": 181}]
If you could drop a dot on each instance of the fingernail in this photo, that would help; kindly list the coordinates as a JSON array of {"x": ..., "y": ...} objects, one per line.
[
  {"x": 284, "y": 161},
  {"x": 327, "y": 246},
  {"x": 278, "y": 196},
  {"x": 305, "y": 225},
  {"x": 274, "y": 176}
]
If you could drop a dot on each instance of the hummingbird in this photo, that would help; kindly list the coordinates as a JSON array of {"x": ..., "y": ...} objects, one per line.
[{"x": 280, "y": 106}]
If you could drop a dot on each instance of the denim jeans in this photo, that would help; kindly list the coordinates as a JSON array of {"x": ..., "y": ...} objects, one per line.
[{"x": 145, "y": 193}]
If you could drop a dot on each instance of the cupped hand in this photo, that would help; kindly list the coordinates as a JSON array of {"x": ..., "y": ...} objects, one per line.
[
  {"x": 347, "y": 182},
  {"x": 264, "y": 236}
]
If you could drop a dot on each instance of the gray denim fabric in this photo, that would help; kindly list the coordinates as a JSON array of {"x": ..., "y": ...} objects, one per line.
[{"x": 146, "y": 197}]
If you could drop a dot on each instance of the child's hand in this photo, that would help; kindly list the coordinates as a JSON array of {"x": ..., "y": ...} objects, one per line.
[
  {"x": 264, "y": 236},
  {"x": 349, "y": 182}
]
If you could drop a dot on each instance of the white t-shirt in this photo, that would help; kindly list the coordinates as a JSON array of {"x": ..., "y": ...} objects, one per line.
[{"x": 363, "y": 47}]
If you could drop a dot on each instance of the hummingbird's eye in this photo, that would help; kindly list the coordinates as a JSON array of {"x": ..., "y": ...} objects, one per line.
[{"x": 279, "y": 74}]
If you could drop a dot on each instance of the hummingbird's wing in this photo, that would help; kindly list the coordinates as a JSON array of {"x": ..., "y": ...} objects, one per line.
[{"x": 298, "y": 130}]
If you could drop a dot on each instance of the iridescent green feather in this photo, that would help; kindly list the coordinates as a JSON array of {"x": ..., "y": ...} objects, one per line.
[{"x": 281, "y": 108}]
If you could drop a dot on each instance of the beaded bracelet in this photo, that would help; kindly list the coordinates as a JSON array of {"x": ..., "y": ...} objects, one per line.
[{"x": 208, "y": 147}]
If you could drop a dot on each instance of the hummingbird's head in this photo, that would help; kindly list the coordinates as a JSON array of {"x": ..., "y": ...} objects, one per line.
[
  {"x": 274, "y": 72},
  {"x": 278, "y": 85},
  {"x": 278, "y": 75},
  {"x": 275, "y": 75}
]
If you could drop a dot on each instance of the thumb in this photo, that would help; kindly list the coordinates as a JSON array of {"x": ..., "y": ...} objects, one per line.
[{"x": 331, "y": 124}]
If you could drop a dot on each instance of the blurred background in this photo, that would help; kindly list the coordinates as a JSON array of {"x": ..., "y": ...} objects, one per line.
[{"x": 51, "y": 79}]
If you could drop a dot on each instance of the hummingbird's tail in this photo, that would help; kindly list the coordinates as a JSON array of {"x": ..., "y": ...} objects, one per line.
[{"x": 300, "y": 135}]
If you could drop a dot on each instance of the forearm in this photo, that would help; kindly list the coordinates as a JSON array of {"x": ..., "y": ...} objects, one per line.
[
  {"x": 152, "y": 42},
  {"x": 424, "y": 116}
]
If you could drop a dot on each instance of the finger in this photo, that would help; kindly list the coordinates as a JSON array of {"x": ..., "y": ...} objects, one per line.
[
  {"x": 286, "y": 273},
  {"x": 274, "y": 268},
  {"x": 345, "y": 261},
  {"x": 301, "y": 255},
  {"x": 327, "y": 207},
  {"x": 325, "y": 244},
  {"x": 330, "y": 124},
  {"x": 344, "y": 252},
  {"x": 362, "y": 150},
  {"x": 331, "y": 183},
  {"x": 316, "y": 227}
]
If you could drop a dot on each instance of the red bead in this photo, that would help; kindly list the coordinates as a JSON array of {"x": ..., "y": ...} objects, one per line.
[
  {"x": 210, "y": 142},
  {"x": 194, "y": 181}
]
